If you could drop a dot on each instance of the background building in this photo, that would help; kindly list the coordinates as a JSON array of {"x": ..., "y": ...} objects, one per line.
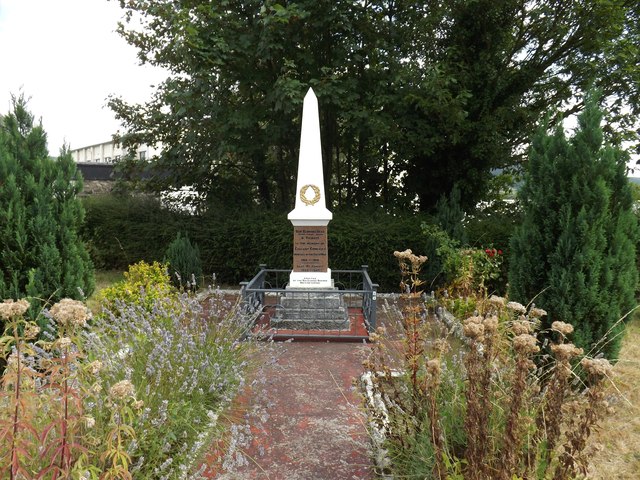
[
  {"x": 96, "y": 162},
  {"x": 110, "y": 152}
]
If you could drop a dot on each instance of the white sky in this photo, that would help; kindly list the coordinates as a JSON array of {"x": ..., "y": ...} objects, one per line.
[{"x": 66, "y": 56}]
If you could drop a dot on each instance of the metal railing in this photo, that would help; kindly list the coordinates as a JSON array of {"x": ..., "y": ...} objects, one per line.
[{"x": 265, "y": 295}]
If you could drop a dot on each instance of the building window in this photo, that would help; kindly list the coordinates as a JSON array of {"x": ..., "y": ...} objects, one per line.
[
  {"x": 107, "y": 159},
  {"x": 143, "y": 155}
]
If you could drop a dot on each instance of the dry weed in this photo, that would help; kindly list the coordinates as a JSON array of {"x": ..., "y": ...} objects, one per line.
[{"x": 618, "y": 440}]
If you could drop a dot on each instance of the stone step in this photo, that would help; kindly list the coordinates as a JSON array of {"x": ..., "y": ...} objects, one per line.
[
  {"x": 311, "y": 301},
  {"x": 320, "y": 304},
  {"x": 291, "y": 323},
  {"x": 319, "y": 313},
  {"x": 311, "y": 319},
  {"x": 300, "y": 310}
]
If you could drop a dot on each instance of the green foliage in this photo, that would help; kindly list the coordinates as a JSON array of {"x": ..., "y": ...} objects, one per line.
[
  {"x": 120, "y": 231},
  {"x": 450, "y": 216},
  {"x": 574, "y": 254},
  {"x": 414, "y": 97},
  {"x": 41, "y": 254},
  {"x": 143, "y": 285},
  {"x": 233, "y": 244},
  {"x": 184, "y": 263}
]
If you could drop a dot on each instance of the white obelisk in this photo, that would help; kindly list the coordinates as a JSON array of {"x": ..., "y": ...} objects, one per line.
[{"x": 310, "y": 216}]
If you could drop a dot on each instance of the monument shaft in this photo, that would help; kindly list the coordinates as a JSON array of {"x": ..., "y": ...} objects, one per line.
[{"x": 310, "y": 215}]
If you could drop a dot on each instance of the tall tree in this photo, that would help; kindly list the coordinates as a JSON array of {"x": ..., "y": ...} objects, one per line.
[
  {"x": 41, "y": 255},
  {"x": 414, "y": 96},
  {"x": 491, "y": 70},
  {"x": 574, "y": 254}
]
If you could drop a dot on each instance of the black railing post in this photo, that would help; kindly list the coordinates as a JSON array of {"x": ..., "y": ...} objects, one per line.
[{"x": 263, "y": 277}]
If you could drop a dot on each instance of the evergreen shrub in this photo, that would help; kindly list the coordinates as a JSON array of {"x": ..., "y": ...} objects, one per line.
[
  {"x": 41, "y": 254},
  {"x": 233, "y": 244},
  {"x": 120, "y": 231},
  {"x": 450, "y": 215},
  {"x": 574, "y": 254},
  {"x": 144, "y": 285},
  {"x": 183, "y": 259}
]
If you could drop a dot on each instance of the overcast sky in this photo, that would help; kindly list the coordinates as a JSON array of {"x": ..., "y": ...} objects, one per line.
[{"x": 66, "y": 56}]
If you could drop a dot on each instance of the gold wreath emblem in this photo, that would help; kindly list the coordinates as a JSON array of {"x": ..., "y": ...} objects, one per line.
[{"x": 316, "y": 195}]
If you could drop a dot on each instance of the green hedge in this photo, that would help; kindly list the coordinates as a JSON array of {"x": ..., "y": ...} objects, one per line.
[{"x": 122, "y": 231}]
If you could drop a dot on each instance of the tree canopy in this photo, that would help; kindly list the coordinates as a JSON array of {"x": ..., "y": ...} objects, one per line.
[{"x": 415, "y": 97}]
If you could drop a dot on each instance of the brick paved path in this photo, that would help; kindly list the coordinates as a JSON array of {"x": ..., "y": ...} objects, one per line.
[{"x": 302, "y": 417}]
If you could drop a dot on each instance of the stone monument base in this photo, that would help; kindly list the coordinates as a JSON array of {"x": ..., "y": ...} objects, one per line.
[
  {"x": 311, "y": 280},
  {"x": 304, "y": 310}
]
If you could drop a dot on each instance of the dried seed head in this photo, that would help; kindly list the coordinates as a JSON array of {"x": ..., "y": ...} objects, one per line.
[
  {"x": 441, "y": 346},
  {"x": 563, "y": 328},
  {"x": 566, "y": 351},
  {"x": 474, "y": 319},
  {"x": 138, "y": 405},
  {"x": 526, "y": 344},
  {"x": 70, "y": 312},
  {"x": 599, "y": 367},
  {"x": 31, "y": 331},
  {"x": 10, "y": 309},
  {"x": 490, "y": 324},
  {"x": 63, "y": 343},
  {"x": 94, "y": 367},
  {"x": 433, "y": 367},
  {"x": 472, "y": 329},
  {"x": 418, "y": 259},
  {"x": 516, "y": 307},
  {"x": 403, "y": 255},
  {"x": 89, "y": 421},
  {"x": 521, "y": 327},
  {"x": 121, "y": 390},
  {"x": 537, "y": 312},
  {"x": 12, "y": 361},
  {"x": 497, "y": 301}
]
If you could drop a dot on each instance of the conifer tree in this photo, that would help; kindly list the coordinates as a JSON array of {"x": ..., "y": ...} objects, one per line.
[
  {"x": 450, "y": 215},
  {"x": 574, "y": 254},
  {"x": 184, "y": 262},
  {"x": 41, "y": 255}
]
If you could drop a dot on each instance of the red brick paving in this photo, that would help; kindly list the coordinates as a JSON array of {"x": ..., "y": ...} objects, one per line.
[
  {"x": 305, "y": 420},
  {"x": 357, "y": 329}
]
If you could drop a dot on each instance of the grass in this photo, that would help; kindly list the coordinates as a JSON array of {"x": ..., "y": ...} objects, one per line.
[
  {"x": 104, "y": 278},
  {"x": 619, "y": 435}
]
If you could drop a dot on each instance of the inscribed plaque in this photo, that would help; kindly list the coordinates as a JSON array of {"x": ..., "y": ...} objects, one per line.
[{"x": 310, "y": 249}]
